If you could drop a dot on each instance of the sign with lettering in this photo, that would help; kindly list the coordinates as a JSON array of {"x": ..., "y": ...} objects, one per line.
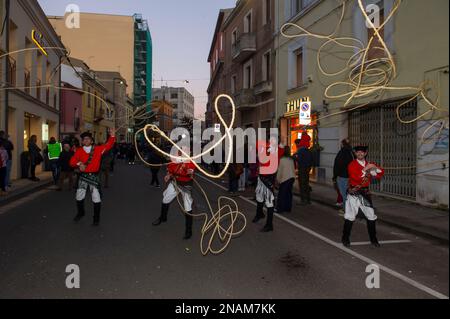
[
  {"x": 305, "y": 113},
  {"x": 38, "y": 40}
]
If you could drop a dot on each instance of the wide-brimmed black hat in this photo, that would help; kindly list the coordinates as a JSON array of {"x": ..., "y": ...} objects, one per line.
[
  {"x": 86, "y": 134},
  {"x": 361, "y": 148}
]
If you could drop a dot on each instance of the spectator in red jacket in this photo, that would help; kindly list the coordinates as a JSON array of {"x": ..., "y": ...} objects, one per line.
[
  {"x": 361, "y": 172},
  {"x": 87, "y": 160}
]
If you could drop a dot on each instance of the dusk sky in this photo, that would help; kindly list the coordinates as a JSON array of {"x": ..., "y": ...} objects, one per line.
[{"x": 182, "y": 31}]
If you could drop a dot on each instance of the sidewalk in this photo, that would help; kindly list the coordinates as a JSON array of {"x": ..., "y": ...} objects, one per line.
[
  {"x": 23, "y": 187},
  {"x": 414, "y": 218}
]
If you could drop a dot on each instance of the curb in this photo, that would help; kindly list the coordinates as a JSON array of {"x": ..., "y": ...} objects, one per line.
[
  {"x": 413, "y": 231},
  {"x": 20, "y": 194}
]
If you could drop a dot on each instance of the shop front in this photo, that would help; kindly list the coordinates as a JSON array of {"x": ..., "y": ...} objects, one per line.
[{"x": 300, "y": 119}]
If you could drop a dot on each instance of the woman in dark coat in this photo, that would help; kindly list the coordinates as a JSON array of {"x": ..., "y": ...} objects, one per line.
[
  {"x": 286, "y": 179},
  {"x": 35, "y": 156}
]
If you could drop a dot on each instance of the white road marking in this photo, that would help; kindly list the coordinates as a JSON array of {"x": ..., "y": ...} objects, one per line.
[
  {"x": 367, "y": 260},
  {"x": 383, "y": 242}
]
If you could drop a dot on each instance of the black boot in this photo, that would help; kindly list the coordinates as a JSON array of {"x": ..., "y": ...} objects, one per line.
[
  {"x": 81, "y": 212},
  {"x": 97, "y": 209},
  {"x": 163, "y": 217},
  {"x": 346, "y": 234},
  {"x": 372, "y": 228},
  {"x": 189, "y": 223},
  {"x": 269, "y": 223},
  {"x": 259, "y": 213}
]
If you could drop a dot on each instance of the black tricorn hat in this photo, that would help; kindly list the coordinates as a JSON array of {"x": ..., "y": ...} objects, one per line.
[
  {"x": 361, "y": 148},
  {"x": 86, "y": 134}
]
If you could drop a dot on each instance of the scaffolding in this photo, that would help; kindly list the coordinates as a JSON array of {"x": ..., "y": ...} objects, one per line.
[{"x": 143, "y": 62}]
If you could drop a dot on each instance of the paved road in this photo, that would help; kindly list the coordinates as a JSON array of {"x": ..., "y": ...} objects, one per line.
[{"x": 128, "y": 258}]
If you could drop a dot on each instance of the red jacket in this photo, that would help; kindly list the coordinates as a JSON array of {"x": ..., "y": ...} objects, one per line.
[
  {"x": 83, "y": 157},
  {"x": 180, "y": 171},
  {"x": 267, "y": 168},
  {"x": 359, "y": 178}
]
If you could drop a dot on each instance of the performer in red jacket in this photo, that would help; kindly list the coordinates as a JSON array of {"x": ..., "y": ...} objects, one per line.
[
  {"x": 179, "y": 177},
  {"x": 87, "y": 160},
  {"x": 269, "y": 155},
  {"x": 361, "y": 172}
]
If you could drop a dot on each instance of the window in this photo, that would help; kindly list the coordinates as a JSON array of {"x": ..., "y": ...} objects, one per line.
[
  {"x": 299, "y": 5},
  {"x": 299, "y": 67},
  {"x": 89, "y": 97},
  {"x": 266, "y": 67},
  {"x": 221, "y": 42},
  {"x": 234, "y": 37},
  {"x": 174, "y": 96},
  {"x": 248, "y": 83},
  {"x": 375, "y": 53},
  {"x": 248, "y": 23},
  {"x": 266, "y": 12},
  {"x": 233, "y": 84}
]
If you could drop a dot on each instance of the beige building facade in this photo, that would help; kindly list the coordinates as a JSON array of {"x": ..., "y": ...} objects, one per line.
[
  {"x": 415, "y": 154},
  {"x": 112, "y": 43}
]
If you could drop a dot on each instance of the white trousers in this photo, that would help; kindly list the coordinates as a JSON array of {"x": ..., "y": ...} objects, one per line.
[
  {"x": 171, "y": 193},
  {"x": 95, "y": 194},
  {"x": 352, "y": 206},
  {"x": 264, "y": 194}
]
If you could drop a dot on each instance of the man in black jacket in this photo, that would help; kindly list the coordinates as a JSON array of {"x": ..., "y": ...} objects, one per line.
[{"x": 340, "y": 172}]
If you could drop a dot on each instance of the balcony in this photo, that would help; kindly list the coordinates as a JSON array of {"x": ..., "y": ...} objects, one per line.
[
  {"x": 245, "y": 99},
  {"x": 244, "y": 48},
  {"x": 99, "y": 115},
  {"x": 263, "y": 87}
]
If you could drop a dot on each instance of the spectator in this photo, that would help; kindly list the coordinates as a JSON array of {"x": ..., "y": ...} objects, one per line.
[
  {"x": 340, "y": 171},
  {"x": 35, "y": 157},
  {"x": 3, "y": 168},
  {"x": 304, "y": 164},
  {"x": 9, "y": 147},
  {"x": 53, "y": 152},
  {"x": 156, "y": 159},
  {"x": 106, "y": 163},
  {"x": 286, "y": 180},
  {"x": 64, "y": 164},
  {"x": 131, "y": 154}
]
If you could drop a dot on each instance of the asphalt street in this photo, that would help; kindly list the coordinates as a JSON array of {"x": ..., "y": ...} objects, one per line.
[{"x": 126, "y": 257}]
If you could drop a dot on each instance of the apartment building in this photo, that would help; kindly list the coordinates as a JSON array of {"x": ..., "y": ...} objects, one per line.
[
  {"x": 414, "y": 153},
  {"x": 30, "y": 98},
  {"x": 113, "y": 43},
  {"x": 182, "y": 101},
  {"x": 97, "y": 114},
  {"x": 116, "y": 97},
  {"x": 248, "y": 61},
  {"x": 164, "y": 115}
]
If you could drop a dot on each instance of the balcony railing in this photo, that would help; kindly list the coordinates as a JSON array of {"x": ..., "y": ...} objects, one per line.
[
  {"x": 244, "y": 47},
  {"x": 245, "y": 99},
  {"x": 99, "y": 115},
  {"x": 263, "y": 87}
]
